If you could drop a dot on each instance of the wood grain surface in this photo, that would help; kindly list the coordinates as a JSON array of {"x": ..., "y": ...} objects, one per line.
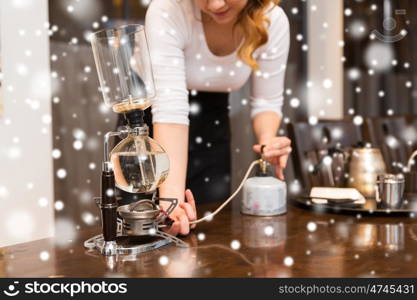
[{"x": 317, "y": 245}]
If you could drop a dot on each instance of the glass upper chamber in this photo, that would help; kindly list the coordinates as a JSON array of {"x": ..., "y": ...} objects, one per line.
[
  {"x": 140, "y": 164},
  {"x": 124, "y": 67}
]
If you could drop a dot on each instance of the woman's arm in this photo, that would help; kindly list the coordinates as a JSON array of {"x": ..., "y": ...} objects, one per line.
[
  {"x": 267, "y": 92},
  {"x": 167, "y": 34},
  {"x": 265, "y": 126},
  {"x": 174, "y": 139}
]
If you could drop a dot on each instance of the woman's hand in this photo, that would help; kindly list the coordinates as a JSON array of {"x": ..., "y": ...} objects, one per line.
[
  {"x": 276, "y": 152},
  {"x": 182, "y": 215}
]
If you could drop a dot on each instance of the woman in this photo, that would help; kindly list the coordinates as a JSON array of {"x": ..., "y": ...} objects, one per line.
[{"x": 213, "y": 47}]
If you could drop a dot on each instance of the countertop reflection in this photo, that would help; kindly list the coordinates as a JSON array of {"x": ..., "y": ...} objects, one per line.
[{"x": 299, "y": 244}]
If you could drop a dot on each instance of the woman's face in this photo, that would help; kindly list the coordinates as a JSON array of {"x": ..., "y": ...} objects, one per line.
[{"x": 222, "y": 11}]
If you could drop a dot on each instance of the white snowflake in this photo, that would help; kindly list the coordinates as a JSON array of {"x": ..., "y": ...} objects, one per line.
[
  {"x": 194, "y": 108},
  {"x": 313, "y": 120},
  {"x": 88, "y": 218},
  {"x": 381, "y": 94},
  {"x": 348, "y": 12},
  {"x": 358, "y": 120},
  {"x": 3, "y": 191},
  {"x": 288, "y": 261},
  {"x": 47, "y": 119},
  {"x": 43, "y": 202},
  {"x": 392, "y": 142},
  {"x": 61, "y": 173},
  {"x": 208, "y": 215},
  {"x": 235, "y": 245},
  {"x": 327, "y": 83},
  {"x": 311, "y": 226},
  {"x": 201, "y": 236},
  {"x": 56, "y": 153},
  {"x": 269, "y": 230},
  {"x": 379, "y": 56},
  {"x": 59, "y": 205},
  {"x": 78, "y": 134},
  {"x": 327, "y": 160},
  {"x": 163, "y": 260},
  {"x": 357, "y": 29},
  {"x": 295, "y": 187},
  {"x": 295, "y": 102},
  {"x": 44, "y": 255},
  {"x": 78, "y": 145},
  {"x": 354, "y": 74}
]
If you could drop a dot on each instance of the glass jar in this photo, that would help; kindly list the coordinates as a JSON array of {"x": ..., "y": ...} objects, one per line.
[
  {"x": 140, "y": 164},
  {"x": 124, "y": 67}
]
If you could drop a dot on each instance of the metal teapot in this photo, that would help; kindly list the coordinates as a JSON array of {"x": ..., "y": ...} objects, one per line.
[{"x": 366, "y": 163}]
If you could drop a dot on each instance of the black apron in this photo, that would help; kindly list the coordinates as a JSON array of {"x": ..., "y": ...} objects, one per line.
[{"x": 209, "y": 163}]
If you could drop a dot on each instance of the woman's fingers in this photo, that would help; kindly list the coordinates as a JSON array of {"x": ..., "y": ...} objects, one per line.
[
  {"x": 182, "y": 215},
  {"x": 279, "y": 173},
  {"x": 174, "y": 229},
  {"x": 279, "y": 169},
  {"x": 190, "y": 199},
  {"x": 184, "y": 225},
  {"x": 257, "y": 148},
  {"x": 283, "y": 161},
  {"x": 278, "y": 153},
  {"x": 275, "y": 144},
  {"x": 190, "y": 212},
  {"x": 181, "y": 225}
]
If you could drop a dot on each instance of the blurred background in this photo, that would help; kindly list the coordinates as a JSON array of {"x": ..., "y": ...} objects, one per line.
[{"x": 349, "y": 59}]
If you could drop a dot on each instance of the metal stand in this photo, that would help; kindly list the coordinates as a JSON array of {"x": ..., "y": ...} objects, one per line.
[
  {"x": 114, "y": 248},
  {"x": 137, "y": 229}
]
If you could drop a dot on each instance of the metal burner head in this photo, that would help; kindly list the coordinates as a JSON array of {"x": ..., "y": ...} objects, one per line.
[
  {"x": 142, "y": 209},
  {"x": 140, "y": 218}
]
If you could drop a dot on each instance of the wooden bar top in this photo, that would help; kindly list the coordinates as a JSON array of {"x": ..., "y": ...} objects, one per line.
[{"x": 301, "y": 243}]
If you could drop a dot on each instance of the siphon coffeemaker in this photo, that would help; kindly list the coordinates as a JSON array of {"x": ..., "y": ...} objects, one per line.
[{"x": 131, "y": 213}]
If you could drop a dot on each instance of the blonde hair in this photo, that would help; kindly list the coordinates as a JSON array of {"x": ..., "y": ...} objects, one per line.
[{"x": 254, "y": 22}]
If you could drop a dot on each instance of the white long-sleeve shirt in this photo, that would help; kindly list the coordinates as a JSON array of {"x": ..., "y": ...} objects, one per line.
[{"x": 182, "y": 61}]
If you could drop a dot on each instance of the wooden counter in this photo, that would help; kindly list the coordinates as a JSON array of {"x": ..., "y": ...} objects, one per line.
[{"x": 331, "y": 246}]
